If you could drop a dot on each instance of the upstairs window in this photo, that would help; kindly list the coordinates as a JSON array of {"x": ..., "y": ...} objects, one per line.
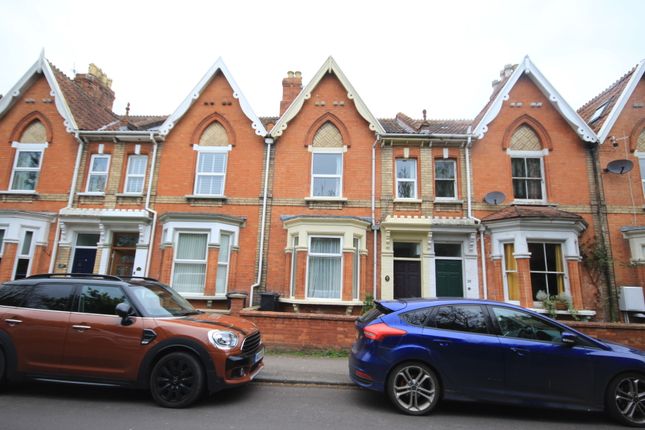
[
  {"x": 29, "y": 155},
  {"x": 527, "y": 178},
  {"x": 406, "y": 179},
  {"x": 327, "y": 162},
  {"x": 445, "y": 179},
  {"x": 213, "y": 150},
  {"x": 97, "y": 178},
  {"x": 136, "y": 174}
]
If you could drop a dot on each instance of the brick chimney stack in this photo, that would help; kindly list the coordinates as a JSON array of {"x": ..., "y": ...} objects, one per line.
[
  {"x": 97, "y": 85},
  {"x": 291, "y": 87}
]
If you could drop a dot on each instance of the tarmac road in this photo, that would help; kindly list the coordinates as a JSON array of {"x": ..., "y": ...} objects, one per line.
[{"x": 261, "y": 405}]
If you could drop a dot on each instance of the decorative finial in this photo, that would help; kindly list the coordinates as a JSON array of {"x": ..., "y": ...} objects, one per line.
[
  {"x": 127, "y": 110},
  {"x": 424, "y": 114}
]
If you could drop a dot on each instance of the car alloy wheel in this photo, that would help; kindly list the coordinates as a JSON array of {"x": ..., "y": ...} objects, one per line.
[
  {"x": 626, "y": 399},
  {"x": 177, "y": 380},
  {"x": 413, "y": 388}
]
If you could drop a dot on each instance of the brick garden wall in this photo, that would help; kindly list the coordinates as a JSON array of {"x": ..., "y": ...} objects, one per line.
[{"x": 628, "y": 334}]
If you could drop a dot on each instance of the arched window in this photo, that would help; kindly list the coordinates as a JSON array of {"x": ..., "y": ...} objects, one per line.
[
  {"x": 212, "y": 156},
  {"x": 29, "y": 156},
  {"x": 327, "y": 162},
  {"x": 527, "y": 165}
]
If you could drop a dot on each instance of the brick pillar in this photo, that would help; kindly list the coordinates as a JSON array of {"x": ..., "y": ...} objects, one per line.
[
  {"x": 287, "y": 274},
  {"x": 232, "y": 269},
  {"x": 8, "y": 260},
  {"x": 495, "y": 280},
  {"x": 63, "y": 256},
  {"x": 524, "y": 275},
  {"x": 575, "y": 284},
  {"x": 211, "y": 270},
  {"x": 39, "y": 263},
  {"x": 166, "y": 265},
  {"x": 238, "y": 301},
  {"x": 348, "y": 272},
  {"x": 365, "y": 280},
  {"x": 301, "y": 276}
]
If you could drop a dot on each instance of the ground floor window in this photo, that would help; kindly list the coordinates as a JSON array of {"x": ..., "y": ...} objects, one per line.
[
  {"x": 547, "y": 268},
  {"x": 189, "y": 271},
  {"x": 25, "y": 253},
  {"x": 510, "y": 273},
  {"x": 325, "y": 268},
  {"x": 223, "y": 263}
]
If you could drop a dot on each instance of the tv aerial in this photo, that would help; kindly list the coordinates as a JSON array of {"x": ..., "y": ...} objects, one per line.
[
  {"x": 494, "y": 198},
  {"x": 619, "y": 166}
]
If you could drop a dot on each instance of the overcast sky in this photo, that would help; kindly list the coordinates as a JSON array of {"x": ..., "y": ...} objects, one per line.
[{"x": 401, "y": 56}]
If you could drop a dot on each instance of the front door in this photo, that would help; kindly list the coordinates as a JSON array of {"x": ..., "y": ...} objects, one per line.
[
  {"x": 407, "y": 279},
  {"x": 84, "y": 259},
  {"x": 449, "y": 278},
  {"x": 124, "y": 248}
]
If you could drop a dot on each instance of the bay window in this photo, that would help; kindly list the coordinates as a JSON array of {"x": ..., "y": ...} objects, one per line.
[
  {"x": 325, "y": 268},
  {"x": 189, "y": 269}
]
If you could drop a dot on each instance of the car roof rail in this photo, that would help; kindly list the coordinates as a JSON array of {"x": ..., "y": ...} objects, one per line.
[
  {"x": 143, "y": 278},
  {"x": 75, "y": 275}
]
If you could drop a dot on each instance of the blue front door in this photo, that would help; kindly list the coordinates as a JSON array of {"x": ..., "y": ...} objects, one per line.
[{"x": 84, "y": 259}]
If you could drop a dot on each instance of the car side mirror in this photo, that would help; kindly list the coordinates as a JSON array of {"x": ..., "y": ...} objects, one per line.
[
  {"x": 125, "y": 311},
  {"x": 569, "y": 339}
]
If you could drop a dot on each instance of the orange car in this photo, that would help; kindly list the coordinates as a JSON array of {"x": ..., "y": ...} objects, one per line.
[{"x": 136, "y": 332}]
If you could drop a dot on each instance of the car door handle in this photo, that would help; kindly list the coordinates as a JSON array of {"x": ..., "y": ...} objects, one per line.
[
  {"x": 81, "y": 327},
  {"x": 520, "y": 351},
  {"x": 442, "y": 342},
  {"x": 12, "y": 322}
]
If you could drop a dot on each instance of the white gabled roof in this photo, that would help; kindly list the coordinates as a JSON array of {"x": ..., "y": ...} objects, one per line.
[
  {"x": 621, "y": 102},
  {"x": 197, "y": 91},
  {"x": 329, "y": 66},
  {"x": 41, "y": 66},
  {"x": 568, "y": 113}
]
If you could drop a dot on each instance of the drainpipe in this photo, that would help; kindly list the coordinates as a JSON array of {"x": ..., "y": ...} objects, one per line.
[
  {"x": 148, "y": 208},
  {"x": 70, "y": 200},
  {"x": 269, "y": 142},
  {"x": 477, "y": 220},
  {"x": 374, "y": 226}
]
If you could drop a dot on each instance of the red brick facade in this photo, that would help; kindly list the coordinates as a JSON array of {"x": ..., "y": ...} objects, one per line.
[{"x": 355, "y": 207}]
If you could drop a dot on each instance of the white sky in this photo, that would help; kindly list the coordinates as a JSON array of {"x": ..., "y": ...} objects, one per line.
[{"x": 401, "y": 56}]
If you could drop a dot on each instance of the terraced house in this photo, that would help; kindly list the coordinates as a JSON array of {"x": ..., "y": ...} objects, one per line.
[{"x": 325, "y": 205}]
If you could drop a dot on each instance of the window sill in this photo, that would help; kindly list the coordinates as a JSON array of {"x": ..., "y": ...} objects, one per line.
[
  {"x": 204, "y": 197},
  {"x": 529, "y": 202},
  {"x": 90, "y": 194},
  {"x": 326, "y": 302},
  {"x": 402, "y": 200},
  {"x": 129, "y": 195},
  {"x": 440, "y": 200},
  {"x": 325, "y": 199},
  {"x": 19, "y": 192},
  {"x": 585, "y": 314}
]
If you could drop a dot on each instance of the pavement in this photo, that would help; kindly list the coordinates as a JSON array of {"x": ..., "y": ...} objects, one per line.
[{"x": 296, "y": 369}]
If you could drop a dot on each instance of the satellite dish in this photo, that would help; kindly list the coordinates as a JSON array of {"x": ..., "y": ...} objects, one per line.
[
  {"x": 494, "y": 198},
  {"x": 619, "y": 166}
]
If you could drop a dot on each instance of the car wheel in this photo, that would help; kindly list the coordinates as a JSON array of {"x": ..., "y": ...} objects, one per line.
[
  {"x": 177, "y": 380},
  {"x": 413, "y": 388},
  {"x": 625, "y": 400}
]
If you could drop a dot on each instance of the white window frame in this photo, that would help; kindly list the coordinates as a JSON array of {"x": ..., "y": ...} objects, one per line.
[
  {"x": 223, "y": 265},
  {"x": 175, "y": 260},
  {"x": 27, "y": 147},
  {"x": 564, "y": 273},
  {"x": 339, "y": 255},
  {"x": 356, "y": 268},
  {"x": 22, "y": 256},
  {"x": 506, "y": 271},
  {"x": 129, "y": 175},
  {"x": 92, "y": 173},
  {"x": 413, "y": 180},
  {"x": 327, "y": 151},
  {"x": 224, "y": 150},
  {"x": 641, "y": 167},
  {"x": 514, "y": 154},
  {"x": 4, "y": 233},
  {"x": 294, "y": 263},
  {"x": 453, "y": 180}
]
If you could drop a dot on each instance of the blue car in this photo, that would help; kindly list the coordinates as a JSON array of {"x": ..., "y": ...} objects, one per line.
[{"x": 419, "y": 351}]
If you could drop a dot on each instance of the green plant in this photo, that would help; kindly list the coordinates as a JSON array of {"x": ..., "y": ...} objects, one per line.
[
  {"x": 551, "y": 303},
  {"x": 368, "y": 303}
]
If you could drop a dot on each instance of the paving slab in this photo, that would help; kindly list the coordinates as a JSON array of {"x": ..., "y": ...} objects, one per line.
[{"x": 304, "y": 370}]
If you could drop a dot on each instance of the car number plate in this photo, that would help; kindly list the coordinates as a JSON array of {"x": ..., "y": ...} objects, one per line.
[{"x": 258, "y": 356}]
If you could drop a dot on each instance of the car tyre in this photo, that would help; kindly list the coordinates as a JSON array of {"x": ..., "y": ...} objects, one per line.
[
  {"x": 625, "y": 399},
  {"x": 414, "y": 388},
  {"x": 176, "y": 380}
]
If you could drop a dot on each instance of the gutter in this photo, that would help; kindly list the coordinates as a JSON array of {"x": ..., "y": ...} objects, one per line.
[
  {"x": 269, "y": 141},
  {"x": 426, "y": 136},
  {"x": 70, "y": 200},
  {"x": 481, "y": 229},
  {"x": 375, "y": 227},
  {"x": 147, "y": 206}
]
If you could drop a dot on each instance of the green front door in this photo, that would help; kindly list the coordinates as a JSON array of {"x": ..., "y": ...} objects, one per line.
[{"x": 449, "y": 278}]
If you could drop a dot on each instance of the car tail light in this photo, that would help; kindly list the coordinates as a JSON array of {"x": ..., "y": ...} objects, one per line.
[{"x": 381, "y": 330}]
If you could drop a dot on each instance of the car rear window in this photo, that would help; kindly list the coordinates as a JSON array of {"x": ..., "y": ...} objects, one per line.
[
  {"x": 13, "y": 295},
  {"x": 53, "y": 297},
  {"x": 372, "y": 314}
]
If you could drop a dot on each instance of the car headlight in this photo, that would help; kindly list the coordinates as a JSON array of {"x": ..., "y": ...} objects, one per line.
[{"x": 223, "y": 339}]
